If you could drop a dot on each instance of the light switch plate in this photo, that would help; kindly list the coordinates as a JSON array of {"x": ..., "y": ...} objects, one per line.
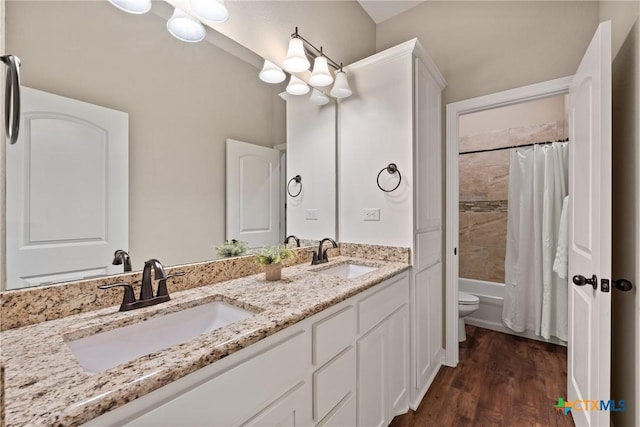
[
  {"x": 311, "y": 214},
  {"x": 372, "y": 214}
]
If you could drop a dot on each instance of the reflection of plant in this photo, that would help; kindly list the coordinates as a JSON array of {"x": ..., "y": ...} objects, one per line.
[
  {"x": 273, "y": 255},
  {"x": 232, "y": 248}
]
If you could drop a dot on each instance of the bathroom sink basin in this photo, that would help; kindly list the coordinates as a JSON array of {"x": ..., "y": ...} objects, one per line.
[
  {"x": 348, "y": 271},
  {"x": 99, "y": 352}
]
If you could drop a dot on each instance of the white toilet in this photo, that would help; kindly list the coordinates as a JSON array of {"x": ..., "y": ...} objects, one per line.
[{"x": 467, "y": 304}]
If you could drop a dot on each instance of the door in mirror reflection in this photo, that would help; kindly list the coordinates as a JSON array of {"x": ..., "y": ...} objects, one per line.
[
  {"x": 67, "y": 191},
  {"x": 253, "y": 194}
]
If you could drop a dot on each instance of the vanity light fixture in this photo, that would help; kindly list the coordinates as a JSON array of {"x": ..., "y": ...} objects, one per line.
[
  {"x": 182, "y": 25},
  {"x": 297, "y": 61},
  {"x": 297, "y": 86},
  {"x": 185, "y": 28},
  {"x": 137, "y": 7},
  {"x": 271, "y": 73},
  {"x": 211, "y": 10},
  {"x": 321, "y": 76},
  {"x": 318, "y": 97},
  {"x": 341, "y": 87}
]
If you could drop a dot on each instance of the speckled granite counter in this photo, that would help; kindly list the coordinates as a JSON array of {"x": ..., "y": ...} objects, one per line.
[{"x": 45, "y": 385}]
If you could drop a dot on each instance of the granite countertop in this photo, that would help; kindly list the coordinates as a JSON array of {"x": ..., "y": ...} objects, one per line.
[{"x": 45, "y": 385}]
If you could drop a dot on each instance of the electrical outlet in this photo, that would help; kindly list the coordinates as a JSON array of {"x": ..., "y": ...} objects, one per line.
[
  {"x": 371, "y": 214},
  {"x": 311, "y": 214}
]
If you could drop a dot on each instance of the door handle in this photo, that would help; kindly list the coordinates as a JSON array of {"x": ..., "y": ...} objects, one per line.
[
  {"x": 623, "y": 285},
  {"x": 580, "y": 280},
  {"x": 12, "y": 97}
]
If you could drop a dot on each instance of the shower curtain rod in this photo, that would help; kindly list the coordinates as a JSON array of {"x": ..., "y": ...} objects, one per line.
[{"x": 515, "y": 146}]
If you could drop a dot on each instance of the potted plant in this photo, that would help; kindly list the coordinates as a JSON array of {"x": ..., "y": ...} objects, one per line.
[
  {"x": 272, "y": 258},
  {"x": 231, "y": 248}
]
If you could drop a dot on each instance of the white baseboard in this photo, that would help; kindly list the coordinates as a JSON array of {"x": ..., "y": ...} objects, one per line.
[{"x": 499, "y": 327}]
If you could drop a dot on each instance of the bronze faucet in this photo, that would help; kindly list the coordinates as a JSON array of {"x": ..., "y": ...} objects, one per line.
[
  {"x": 286, "y": 241},
  {"x": 122, "y": 257},
  {"x": 320, "y": 257},
  {"x": 146, "y": 289}
]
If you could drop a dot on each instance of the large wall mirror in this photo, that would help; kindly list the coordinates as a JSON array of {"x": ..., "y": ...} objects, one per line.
[{"x": 183, "y": 102}]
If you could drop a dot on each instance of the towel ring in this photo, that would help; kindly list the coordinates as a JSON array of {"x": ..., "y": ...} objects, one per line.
[
  {"x": 391, "y": 169},
  {"x": 297, "y": 179}
]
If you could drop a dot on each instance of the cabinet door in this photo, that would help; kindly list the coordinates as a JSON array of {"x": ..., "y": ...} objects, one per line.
[
  {"x": 397, "y": 363},
  {"x": 344, "y": 414},
  {"x": 383, "y": 370},
  {"x": 371, "y": 377},
  {"x": 428, "y": 324},
  {"x": 292, "y": 409}
]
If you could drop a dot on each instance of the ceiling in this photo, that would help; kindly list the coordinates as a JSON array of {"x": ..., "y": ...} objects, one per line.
[{"x": 381, "y": 10}]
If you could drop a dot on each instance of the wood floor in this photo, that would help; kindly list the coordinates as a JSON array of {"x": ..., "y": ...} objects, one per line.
[{"x": 501, "y": 380}]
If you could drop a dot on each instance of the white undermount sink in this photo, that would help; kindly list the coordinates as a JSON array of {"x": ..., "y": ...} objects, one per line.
[
  {"x": 348, "y": 271},
  {"x": 99, "y": 352}
]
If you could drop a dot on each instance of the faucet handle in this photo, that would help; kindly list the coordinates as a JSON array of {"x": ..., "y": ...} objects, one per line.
[
  {"x": 128, "y": 297},
  {"x": 176, "y": 274},
  {"x": 162, "y": 284}
]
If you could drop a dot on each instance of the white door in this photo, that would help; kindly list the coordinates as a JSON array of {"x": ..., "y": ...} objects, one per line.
[
  {"x": 589, "y": 357},
  {"x": 253, "y": 193},
  {"x": 67, "y": 190}
]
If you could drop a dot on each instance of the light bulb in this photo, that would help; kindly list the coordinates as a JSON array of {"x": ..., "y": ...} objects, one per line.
[
  {"x": 185, "y": 28},
  {"x": 296, "y": 61},
  {"x": 318, "y": 98},
  {"x": 297, "y": 86},
  {"x": 271, "y": 73},
  {"x": 321, "y": 76},
  {"x": 341, "y": 87},
  {"x": 137, "y": 7},
  {"x": 211, "y": 10}
]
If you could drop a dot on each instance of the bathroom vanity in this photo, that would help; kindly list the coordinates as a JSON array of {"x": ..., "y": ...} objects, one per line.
[{"x": 311, "y": 341}]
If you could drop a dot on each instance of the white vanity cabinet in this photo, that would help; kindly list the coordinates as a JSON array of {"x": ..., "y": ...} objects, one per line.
[
  {"x": 266, "y": 389},
  {"x": 395, "y": 117},
  {"x": 347, "y": 365},
  {"x": 383, "y": 354}
]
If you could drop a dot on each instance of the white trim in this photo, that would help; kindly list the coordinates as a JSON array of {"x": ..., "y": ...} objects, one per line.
[
  {"x": 454, "y": 111},
  {"x": 385, "y": 55},
  {"x": 3, "y": 205},
  {"x": 428, "y": 62}
]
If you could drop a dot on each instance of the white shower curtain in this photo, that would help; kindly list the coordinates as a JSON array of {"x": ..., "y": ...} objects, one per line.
[{"x": 535, "y": 297}]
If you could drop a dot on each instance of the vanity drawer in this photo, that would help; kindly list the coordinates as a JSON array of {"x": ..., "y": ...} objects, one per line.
[
  {"x": 381, "y": 304},
  {"x": 333, "y": 334},
  {"x": 230, "y": 397},
  {"x": 333, "y": 382}
]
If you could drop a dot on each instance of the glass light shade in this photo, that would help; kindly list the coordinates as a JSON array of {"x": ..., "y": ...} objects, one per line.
[
  {"x": 185, "y": 28},
  {"x": 318, "y": 98},
  {"x": 271, "y": 73},
  {"x": 137, "y": 7},
  {"x": 341, "y": 87},
  {"x": 297, "y": 86},
  {"x": 296, "y": 61},
  {"x": 321, "y": 76},
  {"x": 211, "y": 10}
]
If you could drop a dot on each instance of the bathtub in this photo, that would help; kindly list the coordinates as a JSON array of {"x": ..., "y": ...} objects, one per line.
[{"x": 489, "y": 315}]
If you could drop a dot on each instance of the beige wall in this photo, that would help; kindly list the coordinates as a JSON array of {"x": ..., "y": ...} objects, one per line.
[
  {"x": 183, "y": 101},
  {"x": 625, "y": 352},
  {"x": 486, "y": 47}
]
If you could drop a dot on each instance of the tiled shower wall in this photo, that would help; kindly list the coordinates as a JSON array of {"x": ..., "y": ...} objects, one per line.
[{"x": 484, "y": 181}]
